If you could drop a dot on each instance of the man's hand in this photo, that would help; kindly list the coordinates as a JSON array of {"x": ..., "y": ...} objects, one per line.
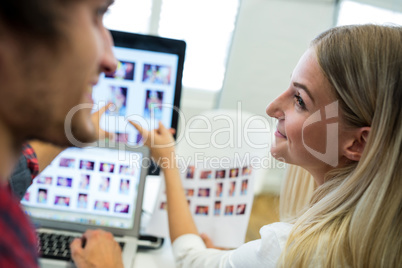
[
  {"x": 96, "y": 248},
  {"x": 101, "y": 134}
]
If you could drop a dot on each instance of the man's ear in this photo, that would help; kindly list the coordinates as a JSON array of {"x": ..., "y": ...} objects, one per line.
[{"x": 354, "y": 146}]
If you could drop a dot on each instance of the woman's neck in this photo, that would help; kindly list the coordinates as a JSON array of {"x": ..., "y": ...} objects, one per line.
[{"x": 319, "y": 175}]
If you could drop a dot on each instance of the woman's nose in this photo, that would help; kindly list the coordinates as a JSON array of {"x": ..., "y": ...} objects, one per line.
[{"x": 276, "y": 107}]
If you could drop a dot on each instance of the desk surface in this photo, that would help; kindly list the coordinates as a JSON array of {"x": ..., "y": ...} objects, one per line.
[{"x": 155, "y": 258}]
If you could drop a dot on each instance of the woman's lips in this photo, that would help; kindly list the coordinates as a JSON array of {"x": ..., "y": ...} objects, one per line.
[{"x": 279, "y": 135}]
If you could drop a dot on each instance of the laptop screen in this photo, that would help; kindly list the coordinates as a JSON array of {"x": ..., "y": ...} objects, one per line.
[{"x": 91, "y": 186}]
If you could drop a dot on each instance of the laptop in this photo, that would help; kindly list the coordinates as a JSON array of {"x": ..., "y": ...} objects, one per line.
[{"x": 89, "y": 188}]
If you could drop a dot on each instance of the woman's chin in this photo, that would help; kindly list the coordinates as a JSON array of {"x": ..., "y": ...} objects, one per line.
[{"x": 278, "y": 156}]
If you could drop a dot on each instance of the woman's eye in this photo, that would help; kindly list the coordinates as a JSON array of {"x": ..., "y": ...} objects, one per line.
[{"x": 300, "y": 102}]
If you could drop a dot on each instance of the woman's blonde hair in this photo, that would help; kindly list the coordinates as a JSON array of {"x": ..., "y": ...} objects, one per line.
[
  {"x": 296, "y": 193},
  {"x": 355, "y": 218}
]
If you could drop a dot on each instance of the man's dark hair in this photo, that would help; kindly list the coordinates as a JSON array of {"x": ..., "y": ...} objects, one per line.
[{"x": 32, "y": 18}]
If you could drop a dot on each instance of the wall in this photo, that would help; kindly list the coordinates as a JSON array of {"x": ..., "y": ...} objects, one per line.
[{"x": 270, "y": 37}]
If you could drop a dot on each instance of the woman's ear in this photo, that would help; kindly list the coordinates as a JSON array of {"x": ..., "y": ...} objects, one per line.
[{"x": 354, "y": 147}]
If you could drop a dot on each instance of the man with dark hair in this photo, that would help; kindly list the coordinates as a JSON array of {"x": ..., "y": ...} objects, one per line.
[{"x": 51, "y": 54}]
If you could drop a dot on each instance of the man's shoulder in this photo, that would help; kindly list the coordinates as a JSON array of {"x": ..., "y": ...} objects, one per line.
[{"x": 17, "y": 237}]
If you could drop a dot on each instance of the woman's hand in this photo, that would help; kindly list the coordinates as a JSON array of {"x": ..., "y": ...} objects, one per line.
[{"x": 161, "y": 143}]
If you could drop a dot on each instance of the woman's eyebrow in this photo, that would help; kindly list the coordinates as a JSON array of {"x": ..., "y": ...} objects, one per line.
[{"x": 304, "y": 87}]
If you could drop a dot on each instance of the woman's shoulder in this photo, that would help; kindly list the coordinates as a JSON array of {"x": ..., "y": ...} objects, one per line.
[
  {"x": 263, "y": 252},
  {"x": 276, "y": 227},
  {"x": 277, "y": 233}
]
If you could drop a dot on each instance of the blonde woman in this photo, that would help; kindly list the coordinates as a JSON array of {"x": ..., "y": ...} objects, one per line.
[{"x": 340, "y": 122}]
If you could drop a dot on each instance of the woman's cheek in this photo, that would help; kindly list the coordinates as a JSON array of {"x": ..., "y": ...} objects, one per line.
[{"x": 315, "y": 136}]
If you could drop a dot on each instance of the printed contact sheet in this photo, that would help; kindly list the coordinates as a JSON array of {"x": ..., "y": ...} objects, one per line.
[{"x": 220, "y": 200}]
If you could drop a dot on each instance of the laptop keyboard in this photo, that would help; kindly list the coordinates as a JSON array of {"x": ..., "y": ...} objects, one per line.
[{"x": 57, "y": 246}]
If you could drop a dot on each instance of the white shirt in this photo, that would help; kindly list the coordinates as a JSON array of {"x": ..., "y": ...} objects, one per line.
[{"x": 190, "y": 251}]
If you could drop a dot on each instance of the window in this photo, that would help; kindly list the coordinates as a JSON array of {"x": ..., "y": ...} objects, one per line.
[
  {"x": 351, "y": 12},
  {"x": 129, "y": 16},
  {"x": 206, "y": 25}
]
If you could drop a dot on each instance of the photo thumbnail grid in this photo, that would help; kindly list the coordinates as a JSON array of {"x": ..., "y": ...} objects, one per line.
[
  {"x": 137, "y": 88},
  {"x": 222, "y": 192},
  {"x": 94, "y": 186}
]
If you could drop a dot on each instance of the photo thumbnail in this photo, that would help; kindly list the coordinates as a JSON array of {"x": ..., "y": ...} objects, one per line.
[
  {"x": 219, "y": 189},
  {"x": 201, "y": 210},
  {"x": 139, "y": 139},
  {"x": 206, "y": 174},
  {"x": 121, "y": 208},
  {"x": 234, "y": 172},
  {"x": 62, "y": 201},
  {"x": 153, "y": 104},
  {"x": 104, "y": 184},
  {"x": 157, "y": 74},
  {"x": 163, "y": 206},
  {"x": 246, "y": 171},
  {"x": 82, "y": 201},
  {"x": 232, "y": 188},
  {"x": 244, "y": 186},
  {"x": 127, "y": 170},
  {"x": 26, "y": 196},
  {"x": 220, "y": 174},
  {"x": 190, "y": 172},
  {"x": 101, "y": 205},
  {"x": 203, "y": 192},
  {"x": 121, "y": 137},
  {"x": 64, "y": 182},
  {"x": 87, "y": 165},
  {"x": 117, "y": 96},
  {"x": 241, "y": 209},
  {"x": 124, "y": 71},
  {"x": 67, "y": 162},
  {"x": 106, "y": 167},
  {"x": 217, "y": 208},
  {"x": 44, "y": 180},
  {"x": 42, "y": 196},
  {"x": 124, "y": 186},
  {"x": 84, "y": 181},
  {"x": 229, "y": 210},
  {"x": 189, "y": 192}
]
